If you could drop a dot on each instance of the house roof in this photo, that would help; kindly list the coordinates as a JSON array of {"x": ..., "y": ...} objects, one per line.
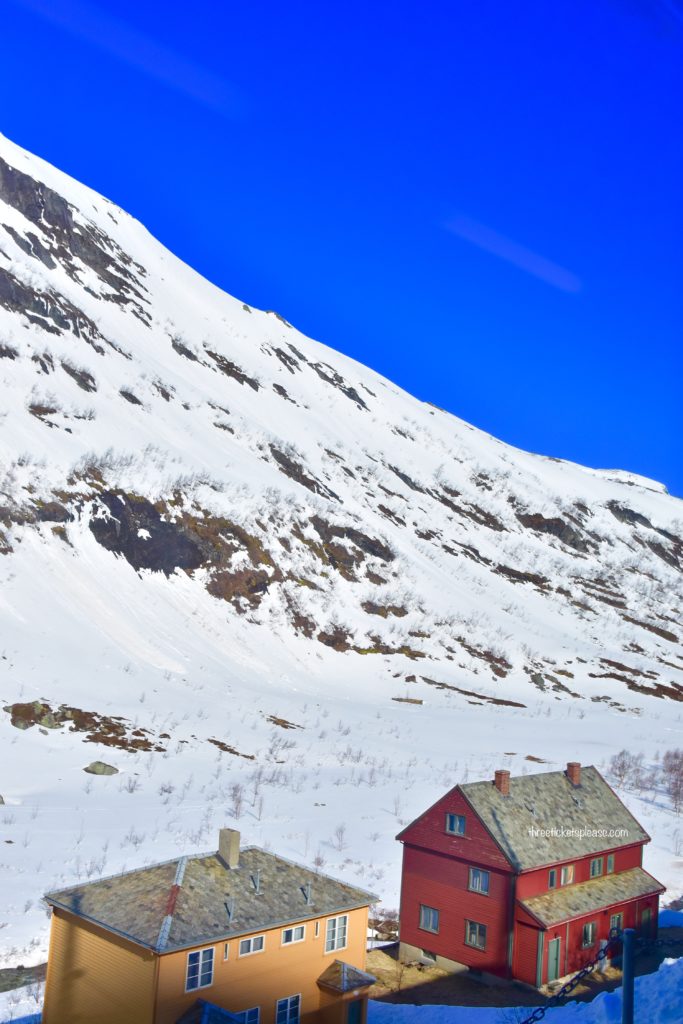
[
  {"x": 194, "y": 901},
  {"x": 548, "y": 800},
  {"x": 597, "y": 894},
  {"x": 342, "y": 977}
]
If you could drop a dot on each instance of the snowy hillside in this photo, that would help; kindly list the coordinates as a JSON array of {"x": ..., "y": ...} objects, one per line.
[{"x": 267, "y": 586}]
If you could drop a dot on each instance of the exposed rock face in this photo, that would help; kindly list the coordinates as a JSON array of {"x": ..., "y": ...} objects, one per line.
[
  {"x": 100, "y": 768},
  {"x": 336, "y": 510},
  {"x": 135, "y": 529},
  {"x": 67, "y": 240}
]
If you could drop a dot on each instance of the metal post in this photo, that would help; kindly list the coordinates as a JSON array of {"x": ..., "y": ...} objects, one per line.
[{"x": 628, "y": 958}]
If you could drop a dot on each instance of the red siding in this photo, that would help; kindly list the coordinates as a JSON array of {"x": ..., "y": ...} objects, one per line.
[
  {"x": 533, "y": 883},
  {"x": 441, "y": 882},
  {"x": 525, "y": 953},
  {"x": 476, "y": 846},
  {"x": 572, "y": 955}
]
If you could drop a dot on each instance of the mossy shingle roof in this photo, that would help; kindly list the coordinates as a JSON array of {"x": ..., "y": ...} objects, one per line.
[
  {"x": 588, "y": 818},
  {"x": 196, "y": 900},
  {"x": 588, "y": 897}
]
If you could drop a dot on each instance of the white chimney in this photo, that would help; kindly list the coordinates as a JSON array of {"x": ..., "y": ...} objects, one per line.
[{"x": 229, "y": 846}]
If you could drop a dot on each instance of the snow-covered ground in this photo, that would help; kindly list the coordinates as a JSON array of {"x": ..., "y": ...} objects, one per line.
[{"x": 392, "y": 601}]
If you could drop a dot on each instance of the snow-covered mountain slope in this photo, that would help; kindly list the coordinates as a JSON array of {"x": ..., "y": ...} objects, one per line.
[{"x": 265, "y": 583}]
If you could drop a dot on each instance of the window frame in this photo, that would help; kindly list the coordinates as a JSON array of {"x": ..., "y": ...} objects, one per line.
[
  {"x": 620, "y": 915},
  {"x": 293, "y": 928},
  {"x": 430, "y": 910},
  {"x": 288, "y": 999},
  {"x": 475, "y": 888},
  {"x": 552, "y": 878},
  {"x": 593, "y": 926},
  {"x": 459, "y": 818},
  {"x": 226, "y": 951},
  {"x": 479, "y": 927},
  {"x": 609, "y": 869},
  {"x": 243, "y": 1015},
  {"x": 335, "y": 947},
  {"x": 600, "y": 862},
  {"x": 208, "y": 951},
  {"x": 569, "y": 868},
  {"x": 251, "y": 939}
]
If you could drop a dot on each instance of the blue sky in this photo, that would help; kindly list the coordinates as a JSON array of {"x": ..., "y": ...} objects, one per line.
[{"x": 482, "y": 201}]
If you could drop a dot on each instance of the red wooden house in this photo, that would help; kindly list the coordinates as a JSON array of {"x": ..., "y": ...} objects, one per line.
[{"x": 523, "y": 878}]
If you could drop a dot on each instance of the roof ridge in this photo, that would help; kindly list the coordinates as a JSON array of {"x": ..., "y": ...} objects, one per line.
[{"x": 165, "y": 929}]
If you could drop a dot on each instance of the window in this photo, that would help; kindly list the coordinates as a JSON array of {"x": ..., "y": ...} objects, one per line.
[
  {"x": 317, "y": 929},
  {"x": 199, "y": 969},
  {"x": 588, "y": 936},
  {"x": 567, "y": 874},
  {"x": 552, "y": 878},
  {"x": 596, "y": 867},
  {"x": 255, "y": 944},
  {"x": 475, "y": 934},
  {"x": 455, "y": 824},
  {"x": 288, "y": 1011},
  {"x": 335, "y": 933},
  {"x": 479, "y": 881},
  {"x": 428, "y": 955},
  {"x": 610, "y": 863},
  {"x": 616, "y": 921},
  {"x": 226, "y": 948},
  {"x": 252, "y": 1016},
  {"x": 429, "y": 919},
  {"x": 295, "y": 934}
]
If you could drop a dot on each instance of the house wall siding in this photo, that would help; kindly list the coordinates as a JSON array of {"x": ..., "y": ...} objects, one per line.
[
  {"x": 441, "y": 882},
  {"x": 525, "y": 953},
  {"x": 95, "y": 976},
  {"x": 260, "y": 979},
  {"x": 572, "y": 954},
  {"x": 534, "y": 883},
  {"x": 429, "y": 831}
]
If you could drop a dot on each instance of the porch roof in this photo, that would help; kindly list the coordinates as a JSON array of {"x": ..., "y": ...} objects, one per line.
[{"x": 573, "y": 901}]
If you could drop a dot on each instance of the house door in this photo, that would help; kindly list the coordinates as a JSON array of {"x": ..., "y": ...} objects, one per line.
[
  {"x": 553, "y": 959},
  {"x": 354, "y": 1012},
  {"x": 646, "y": 921}
]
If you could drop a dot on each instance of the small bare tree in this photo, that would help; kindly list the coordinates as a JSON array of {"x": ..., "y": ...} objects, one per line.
[
  {"x": 339, "y": 841},
  {"x": 237, "y": 798}
]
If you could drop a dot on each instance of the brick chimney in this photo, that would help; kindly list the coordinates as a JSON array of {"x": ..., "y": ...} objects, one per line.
[
  {"x": 229, "y": 846},
  {"x": 574, "y": 773},
  {"x": 502, "y": 781}
]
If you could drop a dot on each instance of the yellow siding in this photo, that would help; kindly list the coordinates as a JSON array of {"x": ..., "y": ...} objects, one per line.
[
  {"x": 260, "y": 979},
  {"x": 93, "y": 977}
]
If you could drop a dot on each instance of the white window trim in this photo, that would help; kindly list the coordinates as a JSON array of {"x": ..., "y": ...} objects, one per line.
[
  {"x": 252, "y": 952},
  {"x": 295, "y": 995},
  {"x": 594, "y": 934},
  {"x": 292, "y": 928},
  {"x": 226, "y": 951},
  {"x": 250, "y": 1009},
  {"x": 213, "y": 968},
  {"x": 335, "y": 948}
]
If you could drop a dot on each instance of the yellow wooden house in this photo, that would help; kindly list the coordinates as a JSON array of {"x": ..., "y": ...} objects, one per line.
[{"x": 238, "y": 936}]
